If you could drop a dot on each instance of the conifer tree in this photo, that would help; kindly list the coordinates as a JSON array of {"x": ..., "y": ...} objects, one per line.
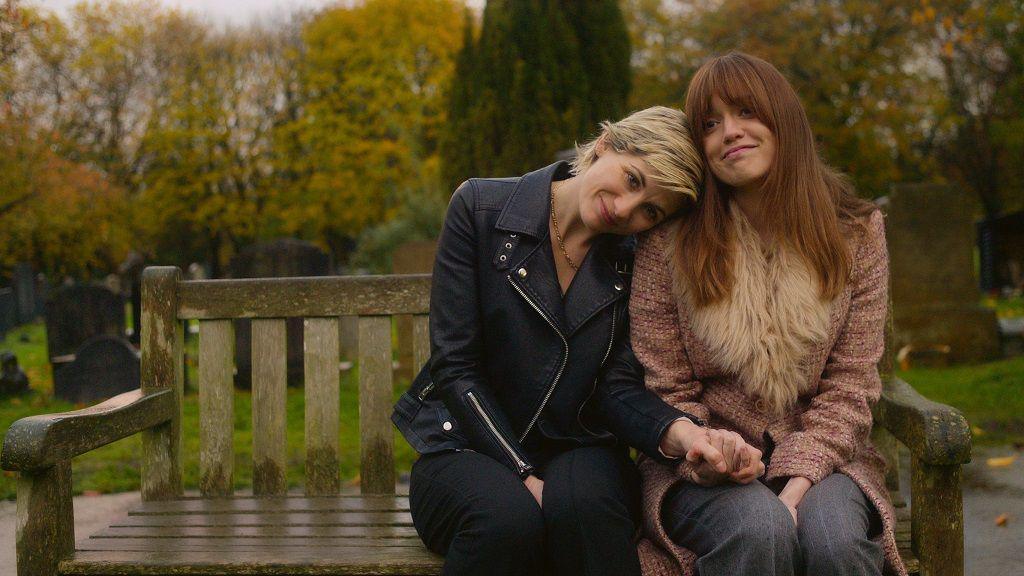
[{"x": 539, "y": 77}]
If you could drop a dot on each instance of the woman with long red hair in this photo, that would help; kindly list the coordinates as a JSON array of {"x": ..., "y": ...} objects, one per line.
[{"x": 762, "y": 312}]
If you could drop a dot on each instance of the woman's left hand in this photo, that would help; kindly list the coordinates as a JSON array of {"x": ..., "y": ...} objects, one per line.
[{"x": 793, "y": 493}]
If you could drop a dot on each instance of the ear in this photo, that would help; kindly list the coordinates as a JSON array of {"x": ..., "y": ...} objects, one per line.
[{"x": 601, "y": 146}]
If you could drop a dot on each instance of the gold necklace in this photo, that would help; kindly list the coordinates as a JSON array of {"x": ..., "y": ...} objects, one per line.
[{"x": 558, "y": 234}]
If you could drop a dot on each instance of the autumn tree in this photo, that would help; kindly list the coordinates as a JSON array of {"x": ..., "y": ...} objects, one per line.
[
  {"x": 372, "y": 78},
  {"x": 979, "y": 135},
  {"x": 855, "y": 64}
]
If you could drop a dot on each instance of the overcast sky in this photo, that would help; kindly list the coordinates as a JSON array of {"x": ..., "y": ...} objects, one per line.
[{"x": 226, "y": 11}]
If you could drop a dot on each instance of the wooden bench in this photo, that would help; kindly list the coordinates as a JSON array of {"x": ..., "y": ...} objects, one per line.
[{"x": 322, "y": 531}]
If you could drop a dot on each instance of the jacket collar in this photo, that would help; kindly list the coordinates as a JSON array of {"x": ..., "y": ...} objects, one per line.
[{"x": 526, "y": 212}]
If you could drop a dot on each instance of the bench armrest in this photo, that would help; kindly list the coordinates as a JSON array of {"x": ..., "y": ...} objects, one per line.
[
  {"x": 37, "y": 442},
  {"x": 934, "y": 433}
]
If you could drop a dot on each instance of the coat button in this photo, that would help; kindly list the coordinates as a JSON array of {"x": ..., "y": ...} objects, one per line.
[
  {"x": 521, "y": 272},
  {"x": 508, "y": 244},
  {"x": 513, "y": 235},
  {"x": 447, "y": 426},
  {"x": 502, "y": 257},
  {"x": 618, "y": 286}
]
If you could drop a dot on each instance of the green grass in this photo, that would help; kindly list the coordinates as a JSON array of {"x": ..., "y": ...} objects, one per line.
[
  {"x": 1010, "y": 307},
  {"x": 990, "y": 395},
  {"x": 115, "y": 468}
]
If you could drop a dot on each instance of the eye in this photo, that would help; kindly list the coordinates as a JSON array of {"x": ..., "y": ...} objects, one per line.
[
  {"x": 632, "y": 180},
  {"x": 710, "y": 124},
  {"x": 747, "y": 113},
  {"x": 651, "y": 212}
]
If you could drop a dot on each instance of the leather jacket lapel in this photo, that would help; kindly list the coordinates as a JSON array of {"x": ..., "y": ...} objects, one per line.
[
  {"x": 595, "y": 286},
  {"x": 536, "y": 276}
]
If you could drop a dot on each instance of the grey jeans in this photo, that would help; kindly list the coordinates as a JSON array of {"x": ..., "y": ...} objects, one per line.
[{"x": 739, "y": 530}]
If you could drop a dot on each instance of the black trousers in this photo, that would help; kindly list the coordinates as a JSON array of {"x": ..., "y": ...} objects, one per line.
[{"x": 481, "y": 517}]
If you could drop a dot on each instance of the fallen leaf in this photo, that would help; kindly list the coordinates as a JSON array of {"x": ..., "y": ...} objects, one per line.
[
  {"x": 977, "y": 431},
  {"x": 91, "y": 493},
  {"x": 1001, "y": 462},
  {"x": 1001, "y": 520},
  {"x": 9, "y": 474}
]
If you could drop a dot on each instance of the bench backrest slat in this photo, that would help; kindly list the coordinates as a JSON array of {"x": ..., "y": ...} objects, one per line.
[
  {"x": 216, "y": 407},
  {"x": 376, "y": 446},
  {"x": 321, "y": 357},
  {"x": 373, "y": 301},
  {"x": 269, "y": 396},
  {"x": 304, "y": 297},
  {"x": 420, "y": 340}
]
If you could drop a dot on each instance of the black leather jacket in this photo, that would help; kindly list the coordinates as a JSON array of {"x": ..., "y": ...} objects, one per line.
[{"x": 510, "y": 358}]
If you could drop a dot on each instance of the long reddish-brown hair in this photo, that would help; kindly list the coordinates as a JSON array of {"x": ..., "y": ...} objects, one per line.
[{"x": 809, "y": 207}]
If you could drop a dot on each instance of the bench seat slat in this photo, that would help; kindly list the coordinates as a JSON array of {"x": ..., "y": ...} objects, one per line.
[
  {"x": 295, "y": 504},
  {"x": 272, "y": 518},
  {"x": 299, "y": 562},
  {"x": 285, "y": 545},
  {"x": 258, "y": 532}
]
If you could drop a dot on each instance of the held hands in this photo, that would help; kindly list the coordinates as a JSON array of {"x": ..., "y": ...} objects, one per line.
[{"x": 719, "y": 455}]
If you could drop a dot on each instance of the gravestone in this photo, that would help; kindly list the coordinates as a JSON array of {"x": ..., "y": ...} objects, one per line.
[
  {"x": 103, "y": 367},
  {"x": 75, "y": 314},
  {"x": 13, "y": 380},
  {"x": 1001, "y": 251},
  {"x": 130, "y": 272},
  {"x": 416, "y": 257},
  {"x": 23, "y": 283},
  {"x": 8, "y": 310},
  {"x": 283, "y": 258},
  {"x": 935, "y": 297}
]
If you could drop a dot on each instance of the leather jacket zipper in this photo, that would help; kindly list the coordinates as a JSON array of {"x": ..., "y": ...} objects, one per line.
[
  {"x": 426, "y": 391},
  {"x": 520, "y": 465},
  {"x": 607, "y": 353},
  {"x": 558, "y": 376}
]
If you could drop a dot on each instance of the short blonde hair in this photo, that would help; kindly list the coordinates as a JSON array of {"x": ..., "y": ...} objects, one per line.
[{"x": 661, "y": 136}]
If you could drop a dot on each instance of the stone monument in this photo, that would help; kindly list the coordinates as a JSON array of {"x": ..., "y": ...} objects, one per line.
[
  {"x": 103, "y": 367},
  {"x": 935, "y": 296}
]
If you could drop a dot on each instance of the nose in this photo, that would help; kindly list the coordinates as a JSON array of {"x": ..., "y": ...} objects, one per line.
[
  {"x": 732, "y": 129},
  {"x": 625, "y": 205}
]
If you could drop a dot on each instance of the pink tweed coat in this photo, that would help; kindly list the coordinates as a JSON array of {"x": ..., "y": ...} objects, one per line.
[{"x": 825, "y": 432}]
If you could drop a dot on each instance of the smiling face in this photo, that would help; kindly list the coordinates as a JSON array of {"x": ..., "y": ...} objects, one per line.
[
  {"x": 620, "y": 195},
  {"x": 739, "y": 148}
]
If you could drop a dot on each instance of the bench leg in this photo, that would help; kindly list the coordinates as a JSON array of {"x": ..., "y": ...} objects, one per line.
[
  {"x": 937, "y": 518},
  {"x": 46, "y": 523}
]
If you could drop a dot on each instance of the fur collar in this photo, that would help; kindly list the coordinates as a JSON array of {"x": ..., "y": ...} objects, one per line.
[{"x": 770, "y": 323}]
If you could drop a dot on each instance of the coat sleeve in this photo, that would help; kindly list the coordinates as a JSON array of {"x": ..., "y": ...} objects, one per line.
[
  {"x": 656, "y": 334},
  {"x": 457, "y": 341},
  {"x": 838, "y": 420}
]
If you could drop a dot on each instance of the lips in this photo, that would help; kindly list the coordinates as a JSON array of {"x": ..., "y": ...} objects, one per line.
[
  {"x": 735, "y": 150},
  {"x": 605, "y": 215}
]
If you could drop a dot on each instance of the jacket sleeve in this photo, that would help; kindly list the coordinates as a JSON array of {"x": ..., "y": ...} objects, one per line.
[
  {"x": 457, "y": 341},
  {"x": 633, "y": 412},
  {"x": 838, "y": 420},
  {"x": 656, "y": 334}
]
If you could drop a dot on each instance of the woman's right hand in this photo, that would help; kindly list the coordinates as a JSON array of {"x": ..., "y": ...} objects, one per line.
[
  {"x": 536, "y": 487},
  {"x": 719, "y": 455}
]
